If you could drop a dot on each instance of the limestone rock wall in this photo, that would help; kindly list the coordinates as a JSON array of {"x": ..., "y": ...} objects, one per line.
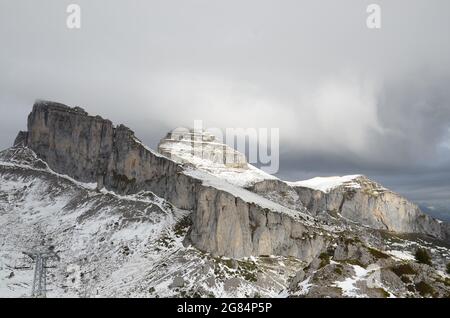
[
  {"x": 375, "y": 207},
  {"x": 69, "y": 141},
  {"x": 91, "y": 149},
  {"x": 230, "y": 226},
  {"x": 370, "y": 205}
]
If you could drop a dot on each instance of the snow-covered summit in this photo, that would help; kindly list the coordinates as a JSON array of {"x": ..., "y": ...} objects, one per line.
[
  {"x": 200, "y": 148},
  {"x": 203, "y": 151}
]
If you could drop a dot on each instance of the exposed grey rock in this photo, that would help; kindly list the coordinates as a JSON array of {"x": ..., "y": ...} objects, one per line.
[
  {"x": 279, "y": 191},
  {"x": 22, "y": 156},
  {"x": 178, "y": 282},
  {"x": 21, "y": 139},
  {"x": 376, "y": 207},
  {"x": 355, "y": 251},
  {"x": 391, "y": 280},
  {"x": 92, "y": 149},
  {"x": 331, "y": 273},
  {"x": 369, "y": 204},
  {"x": 324, "y": 292},
  {"x": 232, "y": 283},
  {"x": 230, "y": 226},
  {"x": 299, "y": 277}
]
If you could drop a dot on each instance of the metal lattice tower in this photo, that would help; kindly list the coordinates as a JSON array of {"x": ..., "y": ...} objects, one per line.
[{"x": 40, "y": 255}]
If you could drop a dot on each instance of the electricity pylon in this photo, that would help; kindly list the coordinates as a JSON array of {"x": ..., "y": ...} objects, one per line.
[{"x": 40, "y": 255}]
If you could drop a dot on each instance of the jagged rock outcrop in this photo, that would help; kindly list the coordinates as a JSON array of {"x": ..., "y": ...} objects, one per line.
[
  {"x": 92, "y": 149},
  {"x": 21, "y": 139}
]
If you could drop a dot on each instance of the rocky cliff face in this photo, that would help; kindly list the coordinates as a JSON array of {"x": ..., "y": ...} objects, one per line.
[
  {"x": 225, "y": 222},
  {"x": 91, "y": 149},
  {"x": 228, "y": 225},
  {"x": 374, "y": 206},
  {"x": 360, "y": 200}
]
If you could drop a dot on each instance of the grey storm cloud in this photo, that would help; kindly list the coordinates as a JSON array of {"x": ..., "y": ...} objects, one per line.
[{"x": 345, "y": 98}]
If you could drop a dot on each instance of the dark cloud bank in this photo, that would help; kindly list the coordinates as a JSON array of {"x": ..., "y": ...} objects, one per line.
[{"x": 346, "y": 99}]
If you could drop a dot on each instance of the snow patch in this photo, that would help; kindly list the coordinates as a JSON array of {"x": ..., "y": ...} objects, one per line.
[
  {"x": 348, "y": 285},
  {"x": 326, "y": 184},
  {"x": 402, "y": 255},
  {"x": 247, "y": 196}
]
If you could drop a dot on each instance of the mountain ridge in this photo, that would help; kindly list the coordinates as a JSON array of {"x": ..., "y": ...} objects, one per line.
[{"x": 239, "y": 230}]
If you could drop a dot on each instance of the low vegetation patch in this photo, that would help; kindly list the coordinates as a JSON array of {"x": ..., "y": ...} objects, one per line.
[
  {"x": 352, "y": 241},
  {"x": 406, "y": 280},
  {"x": 422, "y": 256},
  {"x": 424, "y": 289},
  {"x": 403, "y": 269},
  {"x": 445, "y": 281},
  {"x": 182, "y": 226},
  {"x": 377, "y": 254},
  {"x": 383, "y": 293},
  {"x": 338, "y": 269},
  {"x": 324, "y": 259},
  {"x": 249, "y": 270},
  {"x": 165, "y": 241},
  {"x": 354, "y": 262}
]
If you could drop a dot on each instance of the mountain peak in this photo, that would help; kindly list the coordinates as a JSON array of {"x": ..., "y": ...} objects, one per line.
[{"x": 200, "y": 148}]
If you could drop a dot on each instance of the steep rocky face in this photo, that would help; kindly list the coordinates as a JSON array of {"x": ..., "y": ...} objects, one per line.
[
  {"x": 90, "y": 149},
  {"x": 230, "y": 226},
  {"x": 226, "y": 222},
  {"x": 375, "y": 206},
  {"x": 354, "y": 198},
  {"x": 69, "y": 140},
  {"x": 360, "y": 200}
]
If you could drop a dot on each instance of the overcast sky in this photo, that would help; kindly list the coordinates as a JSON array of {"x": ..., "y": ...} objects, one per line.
[{"x": 346, "y": 99}]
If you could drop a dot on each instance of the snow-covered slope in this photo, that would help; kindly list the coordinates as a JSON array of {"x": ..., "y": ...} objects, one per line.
[
  {"x": 132, "y": 246},
  {"x": 204, "y": 152},
  {"x": 95, "y": 234},
  {"x": 111, "y": 245},
  {"x": 325, "y": 184}
]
